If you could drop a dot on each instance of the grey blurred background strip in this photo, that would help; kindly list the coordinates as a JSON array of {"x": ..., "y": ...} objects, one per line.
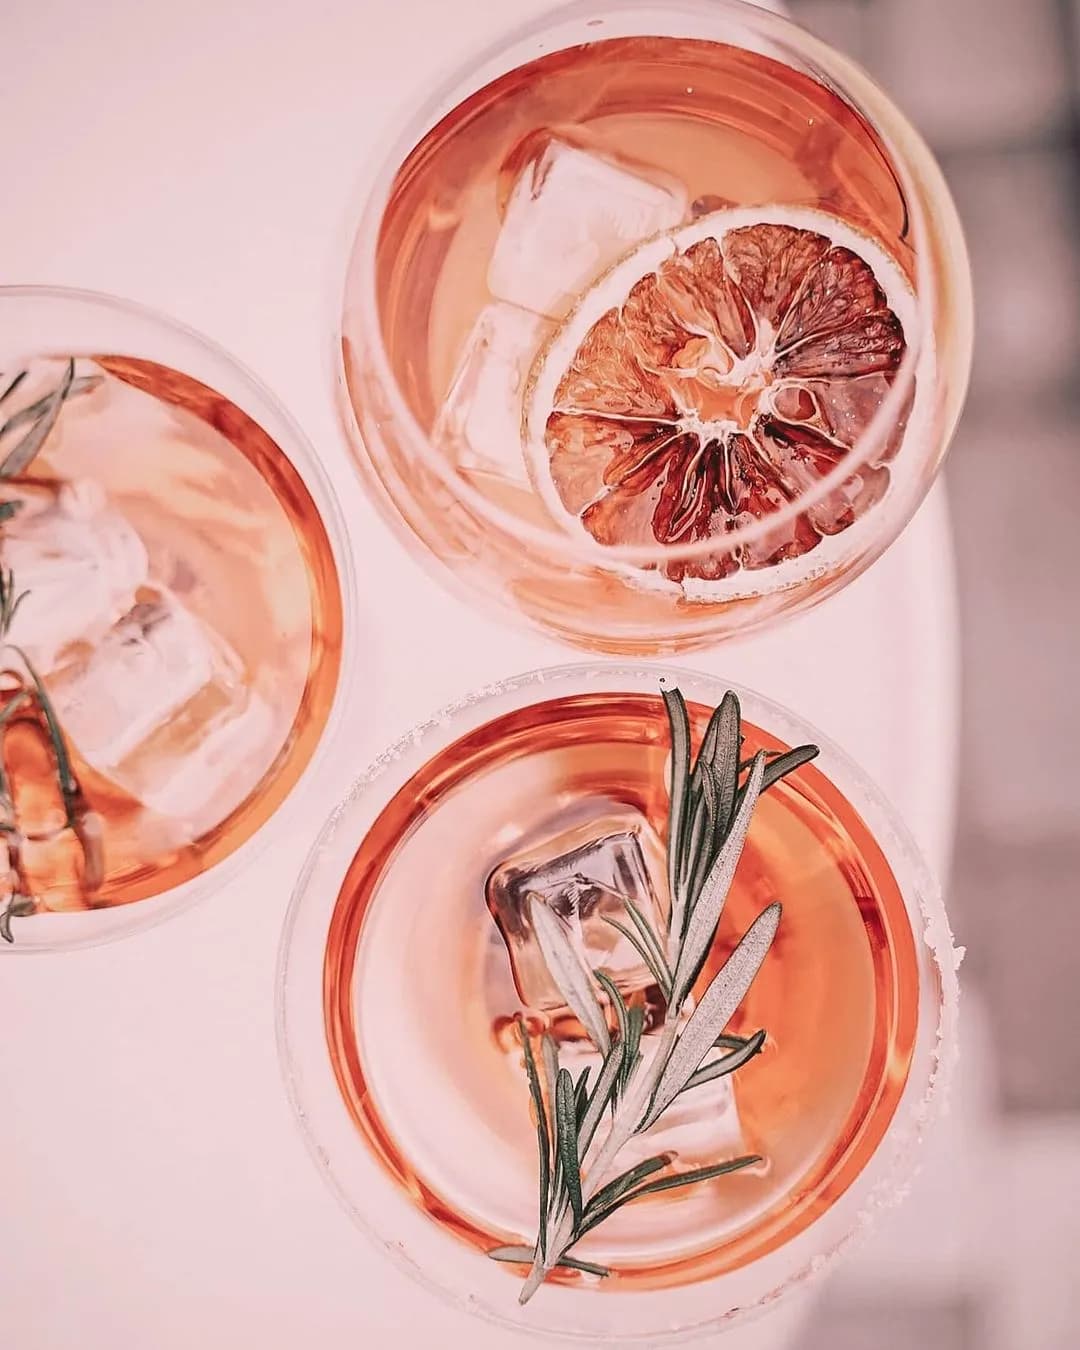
[{"x": 986, "y": 1258}]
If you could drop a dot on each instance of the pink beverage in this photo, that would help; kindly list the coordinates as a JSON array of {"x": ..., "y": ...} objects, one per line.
[
  {"x": 180, "y": 611},
  {"x": 666, "y": 326},
  {"x": 414, "y": 962}
]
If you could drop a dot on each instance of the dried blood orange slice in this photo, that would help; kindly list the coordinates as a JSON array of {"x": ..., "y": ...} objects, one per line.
[{"x": 711, "y": 378}]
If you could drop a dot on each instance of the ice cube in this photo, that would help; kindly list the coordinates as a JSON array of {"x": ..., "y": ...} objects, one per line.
[
  {"x": 204, "y": 774},
  {"x": 584, "y": 884},
  {"x": 162, "y": 708},
  {"x": 141, "y": 673},
  {"x": 79, "y": 562},
  {"x": 480, "y": 422},
  {"x": 571, "y": 214}
]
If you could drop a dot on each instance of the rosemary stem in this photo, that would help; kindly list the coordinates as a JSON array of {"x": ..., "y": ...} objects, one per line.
[
  {"x": 628, "y": 1116},
  {"x": 708, "y": 821}
]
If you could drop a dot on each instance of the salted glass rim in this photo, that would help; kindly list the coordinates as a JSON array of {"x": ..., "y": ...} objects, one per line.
[
  {"x": 830, "y": 68},
  {"x": 332, "y": 1137},
  {"x": 97, "y": 927}
]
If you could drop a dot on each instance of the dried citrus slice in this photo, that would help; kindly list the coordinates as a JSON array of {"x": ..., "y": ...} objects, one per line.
[{"x": 714, "y": 375}]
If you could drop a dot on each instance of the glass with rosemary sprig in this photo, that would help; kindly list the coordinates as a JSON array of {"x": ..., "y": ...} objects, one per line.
[
  {"x": 174, "y": 597},
  {"x": 612, "y": 999}
]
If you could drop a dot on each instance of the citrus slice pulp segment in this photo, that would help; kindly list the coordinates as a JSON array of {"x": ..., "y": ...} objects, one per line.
[
  {"x": 844, "y": 409},
  {"x": 689, "y": 316},
  {"x": 733, "y": 366},
  {"x": 756, "y": 490},
  {"x": 837, "y": 290},
  {"x": 604, "y": 377},
  {"x": 700, "y": 292},
  {"x": 803, "y": 455},
  {"x": 595, "y": 454},
  {"x": 769, "y": 262},
  {"x": 628, "y": 510}
]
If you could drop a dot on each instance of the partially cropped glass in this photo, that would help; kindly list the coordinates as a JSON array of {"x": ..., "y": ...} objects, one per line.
[
  {"x": 410, "y": 951},
  {"x": 657, "y": 324},
  {"x": 175, "y": 605}
]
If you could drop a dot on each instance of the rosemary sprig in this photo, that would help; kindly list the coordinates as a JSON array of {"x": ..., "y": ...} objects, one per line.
[
  {"x": 25, "y": 696},
  {"x": 19, "y": 901},
  {"x": 12, "y": 384},
  {"x": 26, "y": 692},
  {"x": 40, "y": 416},
  {"x": 711, "y": 804}
]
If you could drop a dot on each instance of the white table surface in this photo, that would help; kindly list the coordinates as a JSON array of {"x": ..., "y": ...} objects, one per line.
[{"x": 203, "y": 158}]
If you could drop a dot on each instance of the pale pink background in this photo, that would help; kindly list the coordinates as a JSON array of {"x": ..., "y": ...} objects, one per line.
[{"x": 204, "y": 159}]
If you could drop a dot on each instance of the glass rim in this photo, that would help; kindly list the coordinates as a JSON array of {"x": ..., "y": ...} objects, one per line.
[
  {"x": 829, "y": 67},
  {"x": 80, "y": 929},
  {"x": 299, "y": 997}
]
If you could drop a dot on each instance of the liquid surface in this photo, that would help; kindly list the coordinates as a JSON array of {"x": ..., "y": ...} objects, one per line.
[
  {"x": 720, "y": 125},
  {"x": 419, "y": 988},
  {"x": 184, "y": 612}
]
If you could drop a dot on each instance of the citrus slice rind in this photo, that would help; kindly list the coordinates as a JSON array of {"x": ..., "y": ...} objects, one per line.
[{"x": 712, "y": 377}]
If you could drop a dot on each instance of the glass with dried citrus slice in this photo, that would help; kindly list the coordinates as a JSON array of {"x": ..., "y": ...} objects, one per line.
[{"x": 656, "y": 324}]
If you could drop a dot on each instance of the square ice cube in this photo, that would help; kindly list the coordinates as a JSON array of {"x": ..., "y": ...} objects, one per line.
[
  {"x": 80, "y": 564},
  {"x": 163, "y": 707},
  {"x": 210, "y": 762},
  {"x": 480, "y": 422},
  {"x": 142, "y": 672},
  {"x": 571, "y": 214},
  {"x": 584, "y": 886}
]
